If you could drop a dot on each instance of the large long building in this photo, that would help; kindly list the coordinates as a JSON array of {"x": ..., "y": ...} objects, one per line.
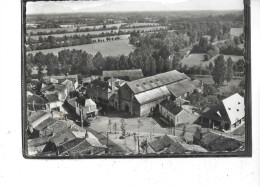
[{"x": 140, "y": 97}]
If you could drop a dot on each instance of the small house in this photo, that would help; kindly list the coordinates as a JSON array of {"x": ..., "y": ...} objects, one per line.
[{"x": 86, "y": 108}]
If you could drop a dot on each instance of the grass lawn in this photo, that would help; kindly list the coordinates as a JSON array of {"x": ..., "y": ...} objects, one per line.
[
  {"x": 198, "y": 59},
  {"x": 111, "y": 48},
  {"x": 236, "y": 31}
]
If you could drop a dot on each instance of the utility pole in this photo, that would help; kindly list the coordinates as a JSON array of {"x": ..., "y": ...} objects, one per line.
[
  {"x": 81, "y": 118},
  {"x": 107, "y": 138},
  {"x": 138, "y": 144}
]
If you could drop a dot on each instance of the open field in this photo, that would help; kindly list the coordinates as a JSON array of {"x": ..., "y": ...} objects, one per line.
[
  {"x": 74, "y": 33},
  {"x": 112, "y": 48},
  {"x": 198, "y": 59},
  {"x": 236, "y": 31},
  {"x": 73, "y": 28},
  {"x": 145, "y": 29},
  {"x": 142, "y": 24}
]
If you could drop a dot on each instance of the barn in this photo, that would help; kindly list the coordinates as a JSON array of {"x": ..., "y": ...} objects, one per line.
[{"x": 140, "y": 97}]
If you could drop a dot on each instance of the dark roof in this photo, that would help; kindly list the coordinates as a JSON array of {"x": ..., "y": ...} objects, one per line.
[
  {"x": 161, "y": 143},
  {"x": 224, "y": 144},
  {"x": 36, "y": 100},
  {"x": 52, "y": 97},
  {"x": 99, "y": 83},
  {"x": 176, "y": 148},
  {"x": 209, "y": 137},
  {"x": 63, "y": 137},
  {"x": 131, "y": 74},
  {"x": 197, "y": 134},
  {"x": 155, "y": 81},
  {"x": 59, "y": 126},
  {"x": 45, "y": 123},
  {"x": 69, "y": 145},
  {"x": 171, "y": 107},
  {"x": 35, "y": 116}
]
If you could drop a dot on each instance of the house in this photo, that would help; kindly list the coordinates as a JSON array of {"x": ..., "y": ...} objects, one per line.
[
  {"x": 173, "y": 114},
  {"x": 60, "y": 90},
  {"x": 215, "y": 142},
  {"x": 100, "y": 91},
  {"x": 142, "y": 96},
  {"x": 60, "y": 79},
  {"x": 127, "y": 75},
  {"x": 36, "y": 118},
  {"x": 162, "y": 142},
  {"x": 227, "y": 115},
  {"x": 69, "y": 85},
  {"x": 54, "y": 103},
  {"x": 86, "y": 108},
  {"x": 173, "y": 145},
  {"x": 35, "y": 103}
]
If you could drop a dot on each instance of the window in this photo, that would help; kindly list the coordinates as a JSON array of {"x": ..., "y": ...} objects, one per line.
[
  {"x": 151, "y": 81},
  {"x": 144, "y": 83},
  {"x": 137, "y": 85},
  {"x": 156, "y": 79}
]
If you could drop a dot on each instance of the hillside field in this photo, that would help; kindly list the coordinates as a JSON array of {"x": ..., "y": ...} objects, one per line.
[{"x": 111, "y": 48}]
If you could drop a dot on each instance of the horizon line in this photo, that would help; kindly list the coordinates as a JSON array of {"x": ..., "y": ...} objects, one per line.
[{"x": 57, "y": 13}]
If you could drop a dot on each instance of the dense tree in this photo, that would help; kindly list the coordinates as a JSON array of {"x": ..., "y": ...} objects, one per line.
[
  {"x": 229, "y": 70},
  {"x": 219, "y": 70}
]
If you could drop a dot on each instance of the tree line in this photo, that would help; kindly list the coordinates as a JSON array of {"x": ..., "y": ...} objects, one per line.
[{"x": 65, "y": 41}]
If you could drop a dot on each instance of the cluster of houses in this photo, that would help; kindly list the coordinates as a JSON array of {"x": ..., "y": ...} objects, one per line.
[
  {"x": 126, "y": 91},
  {"x": 51, "y": 135}
]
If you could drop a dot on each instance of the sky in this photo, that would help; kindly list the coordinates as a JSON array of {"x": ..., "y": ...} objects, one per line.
[{"x": 42, "y": 7}]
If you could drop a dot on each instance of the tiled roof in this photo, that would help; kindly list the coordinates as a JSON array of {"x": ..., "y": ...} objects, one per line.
[
  {"x": 209, "y": 137},
  {"x": 36, "y": 100},
  {"x": 45, "y": 123},
  {"x": 193, "y": 148},
  {"x": 224, "y": 144},
  {"x": 37, "y": 115},
  {"x": 171, "y": 107},
  {"x": 161, "y": 143},
  {"x": 37, "y": 141},
  {"x": 52, "y": 97},
  {"x": 134, "y": 74},
  {"x": 151, "y": 95},
  {"x": 176, "y": 89},
  {"x": 175, "y": 148},
  {"x": 69, "y": 145},
  {"x": 196, "y": 83},
  {"x": 62, "y": 137},
  {"x": 59, "y": 126},
  {"x": 187, "y": 85},
  {"x": 155, "y": 81}
]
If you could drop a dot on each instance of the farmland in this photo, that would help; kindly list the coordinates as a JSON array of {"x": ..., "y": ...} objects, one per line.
[
  {"x": 71, "y": 29},
  {"x": 198, "y": 59},
  {"x": 74, "y": 33},
  {"x": 236, "y": 31},
  {"x": 142, "y": 24},
  {"x": 112, "y": 48},
  {"x": 145, "y": 29}
]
